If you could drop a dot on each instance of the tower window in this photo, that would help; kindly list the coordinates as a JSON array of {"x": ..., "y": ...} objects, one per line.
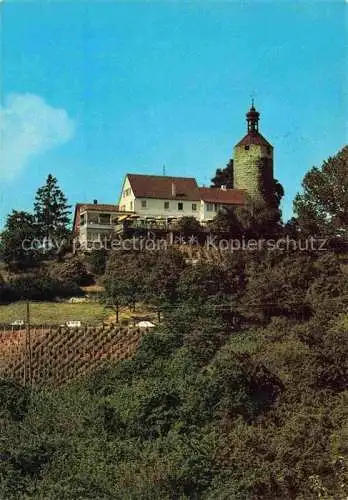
[
  {"x": 269, "y": 150},
  {"x": 246, "y": 147}
]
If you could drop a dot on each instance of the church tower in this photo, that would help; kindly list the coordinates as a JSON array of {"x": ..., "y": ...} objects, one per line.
[{"x": 253, "y": 160}]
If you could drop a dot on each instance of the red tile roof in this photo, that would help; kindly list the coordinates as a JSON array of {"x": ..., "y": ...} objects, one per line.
[
  {"x": 156, "y": 186},
  {"x": 224, "y": 196},
  {"x": 99, "y": 207},
  {"x": 253, "y": 138}
]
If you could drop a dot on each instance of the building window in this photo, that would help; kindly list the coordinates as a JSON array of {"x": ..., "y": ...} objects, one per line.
[
  {"x": 194, "y": 207},
  {"x": 143, "y": 203},
  {"x": 210, "y": 207},
  {"x": 216, "y": 207},
  {"x": 246, "y": 147},
  {"x": 131, "y": 206},
  {"x": 180, "y": 206},
  {"x": 166, "y": 205},
  {"x": 104, "y": 219},
  {"x": 269, "y": 150}
]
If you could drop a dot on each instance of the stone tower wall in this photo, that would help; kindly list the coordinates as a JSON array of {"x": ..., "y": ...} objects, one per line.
[{"x": 253, "y": 169}]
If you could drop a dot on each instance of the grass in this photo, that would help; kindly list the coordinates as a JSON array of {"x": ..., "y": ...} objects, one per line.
[{"x": 54, "y": 312}]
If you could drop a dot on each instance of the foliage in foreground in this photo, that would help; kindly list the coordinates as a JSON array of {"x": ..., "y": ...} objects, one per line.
[{"x": 203, "y": 411}]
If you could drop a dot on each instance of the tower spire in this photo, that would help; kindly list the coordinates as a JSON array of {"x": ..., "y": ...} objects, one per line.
[{"x": 253, "y": 117}]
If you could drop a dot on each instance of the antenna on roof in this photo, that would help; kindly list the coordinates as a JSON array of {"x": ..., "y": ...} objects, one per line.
[{"x": 164, "y": 169}]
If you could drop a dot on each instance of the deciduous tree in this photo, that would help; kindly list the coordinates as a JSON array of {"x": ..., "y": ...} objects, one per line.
[
  {"x": 223, "y": 177},
  {"x": 18, "y": 241},
  {"x": 322, "y": 207}
]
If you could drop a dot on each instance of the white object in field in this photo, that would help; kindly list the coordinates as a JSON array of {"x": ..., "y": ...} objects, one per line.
[
  {"x": 77, "y": 300},
  {"x": 145, "y": 324},
  {"x": 73, "y": 324},
  {"x": 17, "y": 322}
]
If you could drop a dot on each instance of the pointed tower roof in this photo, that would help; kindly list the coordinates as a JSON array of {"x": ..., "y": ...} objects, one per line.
[{"x": 253, "y": 136}]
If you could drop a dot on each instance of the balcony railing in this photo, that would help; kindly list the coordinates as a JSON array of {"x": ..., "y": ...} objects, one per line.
[
  {"x": 151, "y": 225},
  {"x": 100, "y": 224}
]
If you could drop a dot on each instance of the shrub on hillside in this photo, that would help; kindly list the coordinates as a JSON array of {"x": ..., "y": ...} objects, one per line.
[
  {"x": 329, "y": 293},
  {"x": 72, "y": 270},
  {"x": 14, "y": 400},
  {"x": 7, "y": 295},
  {"x": 96, "y": 261},
  {"x": 277, "y": 287},
  {"x": 330, "y": 357},
  {"x": 126, "y": 274},
  {"x": 198, "y": 283},
  {"x": 156, "y": 413},
  {"x": 233, "y": 386},
  {"x": 160, "y": 284},
  {"x": 204, "y": 338},
  {"x": 189, "y": 226},
  {"x": 41, "y": 288}
]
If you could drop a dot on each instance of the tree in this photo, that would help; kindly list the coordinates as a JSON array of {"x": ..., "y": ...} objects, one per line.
[
  {"x": 259, "y": 219},
  {"x": 322, "y": 207},
  {"x": 116, "y": 289},
  {"x": 277, "y": 286},
  {"x": 226, "y": 222},
  {"x": 205, "y": 336},
  {"x": 189, "y": 226},
  {"x": 202, "y": 282},
  {"x": 125, "y": 277},
  {"x": 52, "y": 213},
  {"x": 160, "y": 286},
  {"x": 223, "y": 177},
  {"x": 72, "y": 270},
  {"x": 96, "y": 260},
  {"x": 19, "y": 241},
  {"x": 274, "y": 196}
]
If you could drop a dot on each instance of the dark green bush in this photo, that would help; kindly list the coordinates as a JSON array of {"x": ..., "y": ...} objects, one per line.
[
  {"x": 96, "y": 261},
  {"x": 14, "y": 399},
  {"x": 71, "y": 270},
  {"x": 41, "y": 288}
]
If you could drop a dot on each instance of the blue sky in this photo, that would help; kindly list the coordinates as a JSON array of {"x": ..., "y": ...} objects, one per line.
[{"x": 93, "y": 90}]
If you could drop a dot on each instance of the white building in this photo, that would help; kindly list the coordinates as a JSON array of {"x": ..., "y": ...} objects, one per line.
[
  {"x": 94, "y": 223},
  {"x": 174, "y": 197}
]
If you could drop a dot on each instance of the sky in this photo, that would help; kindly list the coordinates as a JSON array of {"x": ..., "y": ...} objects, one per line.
[{"x": 93, "y": 90}]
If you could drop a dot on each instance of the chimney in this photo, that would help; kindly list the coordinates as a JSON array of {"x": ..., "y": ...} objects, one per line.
[
  {"x": 223, "y": 187},
  {"x": 95, "y": 202},
  {"x": 173, "y": 190}
]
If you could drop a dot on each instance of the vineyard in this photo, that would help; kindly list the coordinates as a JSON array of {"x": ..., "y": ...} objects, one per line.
[{"x": 57, "y": 355}]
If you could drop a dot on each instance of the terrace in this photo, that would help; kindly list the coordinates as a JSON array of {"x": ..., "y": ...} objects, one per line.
[{"x": 135, "y": 222}]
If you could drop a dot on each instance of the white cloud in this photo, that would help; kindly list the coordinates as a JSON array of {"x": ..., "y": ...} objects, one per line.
[{"x": 29, "y": 127}]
